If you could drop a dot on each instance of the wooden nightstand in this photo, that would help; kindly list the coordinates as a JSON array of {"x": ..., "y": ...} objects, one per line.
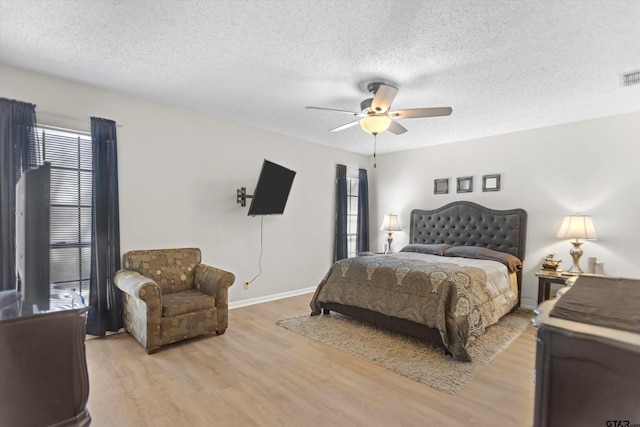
[{"x": 546, "y": 278}]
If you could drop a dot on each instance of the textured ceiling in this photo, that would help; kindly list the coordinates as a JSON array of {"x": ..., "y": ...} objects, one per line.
[{"x": 502, "y": 65}]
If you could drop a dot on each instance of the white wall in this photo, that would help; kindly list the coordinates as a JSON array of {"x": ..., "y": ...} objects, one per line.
[
  {"x": 591, "y": 167},
  {"x": 178, "y": 175}
]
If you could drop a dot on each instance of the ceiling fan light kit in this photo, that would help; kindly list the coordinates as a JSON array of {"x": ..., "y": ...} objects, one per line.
[
  {"x": 375, "y": 124},
  {"x": 375, "y": 115}
]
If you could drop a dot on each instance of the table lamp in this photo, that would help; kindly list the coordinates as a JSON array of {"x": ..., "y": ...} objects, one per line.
[
  {"x": 390, "y": 224},
  {"x": 577, "y": 227}
]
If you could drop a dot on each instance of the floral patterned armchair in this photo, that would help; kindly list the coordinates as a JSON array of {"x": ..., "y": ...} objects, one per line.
[{"x": 170, "y": 296}]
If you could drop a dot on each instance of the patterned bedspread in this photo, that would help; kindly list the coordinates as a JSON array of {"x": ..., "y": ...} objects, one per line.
[{"x": 452, "y": 295}]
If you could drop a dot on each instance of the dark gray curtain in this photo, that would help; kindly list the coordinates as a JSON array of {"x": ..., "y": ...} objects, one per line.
[
  {"x": 341, "y": 213},
  {"x": 19, "y": 151},
  {"x": 362, "y": 240},
  {"x": 105, "y": 299}
]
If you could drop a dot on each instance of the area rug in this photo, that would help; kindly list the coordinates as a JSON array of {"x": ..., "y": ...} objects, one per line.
[{"x": 413, "y": 358}]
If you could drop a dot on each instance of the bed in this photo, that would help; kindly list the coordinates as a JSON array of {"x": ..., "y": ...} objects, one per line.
[{"x": 459, "y": 274}]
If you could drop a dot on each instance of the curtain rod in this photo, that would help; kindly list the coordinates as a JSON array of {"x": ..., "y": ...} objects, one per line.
[{"x": 63, "y": 116}]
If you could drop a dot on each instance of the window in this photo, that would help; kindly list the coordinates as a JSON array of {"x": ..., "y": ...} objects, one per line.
[
  {"x": 352, "y": 216},
  {"x": 69, "y": 153}
]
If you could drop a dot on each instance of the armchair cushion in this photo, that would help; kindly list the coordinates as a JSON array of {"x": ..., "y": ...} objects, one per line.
[
  {"x": 186, "y": 302},
  {"x": 172, "y": 269}
]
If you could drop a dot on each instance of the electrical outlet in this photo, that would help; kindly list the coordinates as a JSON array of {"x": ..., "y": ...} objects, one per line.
[{"x": 246, "y": 285}]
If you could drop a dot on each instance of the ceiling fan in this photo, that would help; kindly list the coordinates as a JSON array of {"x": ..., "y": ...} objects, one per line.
[{"x": 375, "y": 116}]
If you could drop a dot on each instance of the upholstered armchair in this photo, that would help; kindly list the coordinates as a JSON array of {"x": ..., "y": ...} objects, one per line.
[{"x": 170, "y": 296}]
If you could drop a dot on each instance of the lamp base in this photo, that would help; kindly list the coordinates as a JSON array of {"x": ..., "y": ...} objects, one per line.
[
  {"x": 389, "y": 239},
  {"x": 576, "y": 253}
]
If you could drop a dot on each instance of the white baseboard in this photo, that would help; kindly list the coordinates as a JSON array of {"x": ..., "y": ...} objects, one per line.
[{"x": 267, "y": 298}]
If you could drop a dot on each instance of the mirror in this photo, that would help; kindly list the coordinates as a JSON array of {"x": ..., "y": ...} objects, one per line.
[
  {"x": 441, "y": 186},
  {"x": 491, "y": 182},
  {"x": 465, "y": 184}
]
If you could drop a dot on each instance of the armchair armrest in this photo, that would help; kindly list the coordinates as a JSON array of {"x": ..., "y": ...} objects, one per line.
[
  {"x": 216, "y": 282},
  {"x": 142, "y": 308},
  {"x": 213, "y": 281},
  {"x": 140, "y": 288}
]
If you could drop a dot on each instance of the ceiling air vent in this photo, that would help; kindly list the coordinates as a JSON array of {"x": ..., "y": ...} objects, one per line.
[{"x": 631, "y": 79}]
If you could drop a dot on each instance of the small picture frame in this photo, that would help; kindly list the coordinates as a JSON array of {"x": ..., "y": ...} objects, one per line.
[
  {"x": 491, "y": 182},
  {"x": 441, "y": 186},
  {"x": 465, "y": 184}
]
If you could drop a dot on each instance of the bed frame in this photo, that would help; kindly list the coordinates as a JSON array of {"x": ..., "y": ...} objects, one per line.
[{"x": 458, "y": 223}]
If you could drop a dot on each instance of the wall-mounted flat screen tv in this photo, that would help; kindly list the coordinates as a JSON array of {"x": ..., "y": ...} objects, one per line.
[{"x": 272, "y": 191}]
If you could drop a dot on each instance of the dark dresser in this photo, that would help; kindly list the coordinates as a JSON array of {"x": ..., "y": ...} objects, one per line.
[
  {"x": 588, "y": 355},
  {"x": 43, "y": 368}
]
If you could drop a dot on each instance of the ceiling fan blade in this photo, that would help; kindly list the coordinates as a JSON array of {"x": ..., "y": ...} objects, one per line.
[
  {"x": 396, "y": 128},
  {"x": 413, "y": 113},
  {"x": 383, "y": 98},
  {"x": 343, "y": 127},
  {"x": 353, "y": 113}
]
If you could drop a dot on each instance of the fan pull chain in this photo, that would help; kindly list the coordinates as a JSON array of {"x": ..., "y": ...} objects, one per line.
[{"x": 375, "y": 135}]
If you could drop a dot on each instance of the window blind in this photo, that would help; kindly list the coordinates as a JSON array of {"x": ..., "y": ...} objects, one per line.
[
  {"x": 352, "y": 215},
  {"x": 69, "y": 153}
]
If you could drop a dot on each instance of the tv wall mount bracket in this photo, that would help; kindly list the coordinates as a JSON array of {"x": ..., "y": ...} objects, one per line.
[{"x": 242, "y": 196}]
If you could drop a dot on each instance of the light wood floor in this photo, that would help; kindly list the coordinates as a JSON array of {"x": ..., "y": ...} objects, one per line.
[{"x": 259, "y": 374}]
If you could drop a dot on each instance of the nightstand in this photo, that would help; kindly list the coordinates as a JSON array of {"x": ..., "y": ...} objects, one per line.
[{"x": 546, "y": 278}]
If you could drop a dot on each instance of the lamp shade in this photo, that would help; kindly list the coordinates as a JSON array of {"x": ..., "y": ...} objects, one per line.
[
  {"x": 390, "y": 223},
  {"x": 375, "y": 124},
  {"x": 577, "y": 227}
]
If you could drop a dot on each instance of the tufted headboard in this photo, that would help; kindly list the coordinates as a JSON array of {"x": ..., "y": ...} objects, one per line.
[{"x": 470, "y": 224}]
